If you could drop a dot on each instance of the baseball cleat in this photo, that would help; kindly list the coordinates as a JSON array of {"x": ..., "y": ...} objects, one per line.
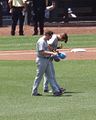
[
  {"x": 37, "y": 94},
  {"x": 57, "y": 94}
]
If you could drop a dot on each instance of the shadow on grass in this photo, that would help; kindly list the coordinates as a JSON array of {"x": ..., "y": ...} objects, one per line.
[
  {"x": 65, "y": 94},
  {"x": 69, "y": 93}
]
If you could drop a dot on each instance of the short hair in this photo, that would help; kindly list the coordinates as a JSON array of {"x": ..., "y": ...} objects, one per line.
[
  {"x": 50, "y": 33},
  {"x": 64, "y": 36}
]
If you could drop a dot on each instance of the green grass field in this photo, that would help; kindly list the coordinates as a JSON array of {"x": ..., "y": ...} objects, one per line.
[
  {"x": 28, "y": 43},
  {"x": 78, "y": 77}
]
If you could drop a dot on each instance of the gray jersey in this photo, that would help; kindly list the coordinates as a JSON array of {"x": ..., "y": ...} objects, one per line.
[
  {"x": 41, "y": 45},
  {"x": 53, "y": 41}
]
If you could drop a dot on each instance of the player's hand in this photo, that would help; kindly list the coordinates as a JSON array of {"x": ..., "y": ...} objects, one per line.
[
  {"x": 10, "y": 11},
  {"x": 55, "y": 53}
]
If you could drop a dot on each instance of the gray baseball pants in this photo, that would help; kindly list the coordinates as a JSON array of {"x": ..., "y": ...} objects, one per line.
[{"x": 44, "y": 66}]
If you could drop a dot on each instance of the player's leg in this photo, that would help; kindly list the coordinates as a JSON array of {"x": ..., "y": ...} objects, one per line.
[
  {"x": 45, "y": 84},
  {"x": 50, "y": 77},
  {"x": 41, "y": 66}
]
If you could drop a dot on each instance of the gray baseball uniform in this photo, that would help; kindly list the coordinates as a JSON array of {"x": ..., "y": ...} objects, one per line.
[
  {"x": 44, "y": 65},
  {"x": 52, "y": 42}
]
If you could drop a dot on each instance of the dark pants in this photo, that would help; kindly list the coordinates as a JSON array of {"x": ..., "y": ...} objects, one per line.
[
  {"x": 17, "y": 15},
  {"x": 38, "y": 21}
]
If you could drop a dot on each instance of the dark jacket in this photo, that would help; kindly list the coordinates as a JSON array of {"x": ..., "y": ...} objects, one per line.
[{"x": 39, "y": 5}]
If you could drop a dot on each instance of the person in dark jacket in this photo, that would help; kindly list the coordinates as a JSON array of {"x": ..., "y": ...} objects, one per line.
[{"x": 39, "y": 7}]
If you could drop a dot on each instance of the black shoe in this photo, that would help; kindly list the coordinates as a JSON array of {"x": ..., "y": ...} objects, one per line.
[
  {"x": 57, "y": 94},
  {"x": 21, "y": 34},
  {"x": 46, "y": 91},
  {"x": 62, "y": 90},
  {"x": 12, "y": 33},
  {"x": 38, "y": 94},
  {"x": 41, "y": 33}
]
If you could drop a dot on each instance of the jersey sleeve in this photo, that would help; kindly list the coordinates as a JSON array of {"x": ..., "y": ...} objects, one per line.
[
  {"x": 51, "y": 41},
  {"x": 41, "y": 45}
]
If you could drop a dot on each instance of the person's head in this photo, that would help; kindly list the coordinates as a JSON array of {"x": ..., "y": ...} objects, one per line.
[
  {"x": 48, "y": 35},
  {"x": 63, "y": 37}
]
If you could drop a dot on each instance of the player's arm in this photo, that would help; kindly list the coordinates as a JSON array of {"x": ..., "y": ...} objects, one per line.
[
  {"x": 51, "y": 7},
  {"x": 50, "y": 48},
  {"x": 10, "y": 3},
  {"x": 47, "y": 53},
  {"x": 25, "y": 2}
]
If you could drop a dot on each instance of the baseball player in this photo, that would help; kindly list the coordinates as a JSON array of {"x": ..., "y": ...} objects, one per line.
[
  {"x": 53, "y": 46},
  {"x": 45, "y": 65},
  {"x": 53, "y": 42}
]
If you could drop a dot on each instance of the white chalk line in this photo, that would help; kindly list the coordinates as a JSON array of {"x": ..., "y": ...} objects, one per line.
[
  {"x": 8, "y": 53},
  {"x": 24, "y": 53}
]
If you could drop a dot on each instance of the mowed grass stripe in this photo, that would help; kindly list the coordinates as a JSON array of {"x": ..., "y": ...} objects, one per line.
[{"x": 28, "y": 43}]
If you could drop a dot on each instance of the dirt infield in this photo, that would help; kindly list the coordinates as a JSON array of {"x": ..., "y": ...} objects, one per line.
[
  {"x": 28, "y": 30},
  {"x": 89, "y": 54}
]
